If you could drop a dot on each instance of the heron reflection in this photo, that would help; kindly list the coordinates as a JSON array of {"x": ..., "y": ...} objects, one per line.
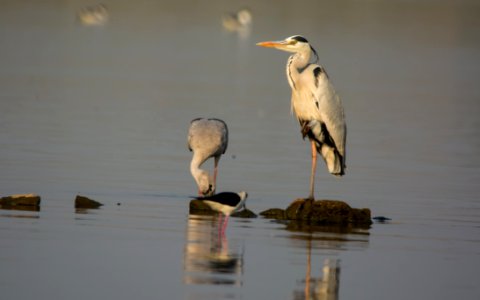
[
  {"x": 322, "y": 281},
  {"x": 326, "y": 286},
  {"x": 208, "y": 258}
]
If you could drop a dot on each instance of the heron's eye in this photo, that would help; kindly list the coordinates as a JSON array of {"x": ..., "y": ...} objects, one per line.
[{"x": 292, "y": 42}]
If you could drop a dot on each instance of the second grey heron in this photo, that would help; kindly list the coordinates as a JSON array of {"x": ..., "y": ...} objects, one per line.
[
  {"x": 315, "y": 104},
  {"x": 206, "y": 138}
]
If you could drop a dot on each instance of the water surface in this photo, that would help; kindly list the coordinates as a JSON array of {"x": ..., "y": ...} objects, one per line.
[{"x": 103, "y": 111}]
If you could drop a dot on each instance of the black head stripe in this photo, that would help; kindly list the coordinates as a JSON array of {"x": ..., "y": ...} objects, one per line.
[{"x": 300, "y": 38}]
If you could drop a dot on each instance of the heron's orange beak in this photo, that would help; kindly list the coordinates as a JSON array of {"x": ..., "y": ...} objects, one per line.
[{"x": 269, "y": 44}]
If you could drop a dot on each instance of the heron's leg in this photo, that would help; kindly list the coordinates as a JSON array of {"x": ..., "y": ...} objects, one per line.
[{"x": 312, "y": 175}]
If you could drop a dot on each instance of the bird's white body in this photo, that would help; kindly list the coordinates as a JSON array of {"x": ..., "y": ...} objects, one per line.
[
  {"x": 206, "y": 138},
  {"x": 315, "y": 104}
]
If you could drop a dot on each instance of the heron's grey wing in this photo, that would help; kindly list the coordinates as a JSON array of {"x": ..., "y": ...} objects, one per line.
[
  {"x": 222, "y": 131},
  {"x": 330, "y": 107},
  {"x": 224, "y": 137},
  {"x": 191, "y": 132},
  {"x": 189, "y": 141}
]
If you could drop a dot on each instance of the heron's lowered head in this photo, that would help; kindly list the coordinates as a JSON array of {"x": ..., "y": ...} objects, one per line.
[{"x": 205, "y": 183}]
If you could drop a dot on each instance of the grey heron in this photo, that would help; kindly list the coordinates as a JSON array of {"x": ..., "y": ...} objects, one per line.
[
  {"x": 315, "y": 104},
  {"x": 206, "y": 138},
  {"x": 225, "y": 203}
]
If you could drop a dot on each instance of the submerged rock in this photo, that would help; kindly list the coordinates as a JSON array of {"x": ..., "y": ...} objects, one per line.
[
  {"x": 20, "y": 200},
  {"x": 381, "y": 219},
  {"x": 198, "y": 207},
  {"x": 327, "y": 212},
  {"x": 84, "y": 202}
]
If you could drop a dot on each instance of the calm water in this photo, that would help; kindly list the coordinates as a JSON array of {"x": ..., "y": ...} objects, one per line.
[{"x": 103, "y": 111}]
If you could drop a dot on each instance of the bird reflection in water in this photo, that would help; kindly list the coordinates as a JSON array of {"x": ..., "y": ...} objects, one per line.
[
  {"x": 325, "y": 287},
  {"x": 207, "y": 256}
]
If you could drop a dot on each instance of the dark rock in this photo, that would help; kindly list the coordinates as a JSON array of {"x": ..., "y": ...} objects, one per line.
[
  {"x": 84, "y": 202},
  {"x": 198, "y": 207},
  {"x": 20, "y": 200},
  {"x": 326, "y": 212},
  {"x": 274, "y": 213}
]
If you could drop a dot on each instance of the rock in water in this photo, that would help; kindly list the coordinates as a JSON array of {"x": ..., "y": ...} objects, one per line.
[
  {"x": 20, "y": 200},
  {"x": 274, "y": 213},
  {"x": 198, "y": 207},
  {"x": 328, "y": 212},
  {"x": 84, "y": 202}
]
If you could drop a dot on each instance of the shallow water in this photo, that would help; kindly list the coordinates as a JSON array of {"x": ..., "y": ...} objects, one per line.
[{"x": 103, "y": 112}]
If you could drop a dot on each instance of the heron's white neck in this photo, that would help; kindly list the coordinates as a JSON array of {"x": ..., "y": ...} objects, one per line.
[
  {"x": 295, "y": 65},
  {"x": 195, "y": 164}
]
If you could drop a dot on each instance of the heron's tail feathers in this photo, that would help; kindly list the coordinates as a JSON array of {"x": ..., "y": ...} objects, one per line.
[
  {"x": 333, "y": 159},
  {"x": 317, "y": 132}
]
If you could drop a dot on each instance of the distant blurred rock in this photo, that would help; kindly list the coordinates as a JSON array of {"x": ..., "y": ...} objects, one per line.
[
  {"x": 321, "y": 212},
  {"x": 20, "y": 200},
  {"x": 84, "y": 202},
  {"x": 198, "y": 207}
]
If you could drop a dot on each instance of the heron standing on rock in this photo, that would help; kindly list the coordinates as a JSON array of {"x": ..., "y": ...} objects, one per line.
[
  {"x": 206, "y": 138},
  {"x": 315, "y": 104}
]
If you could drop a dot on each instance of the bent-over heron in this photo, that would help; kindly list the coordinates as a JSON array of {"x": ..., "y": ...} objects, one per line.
[{"x": 206, "y": 138}]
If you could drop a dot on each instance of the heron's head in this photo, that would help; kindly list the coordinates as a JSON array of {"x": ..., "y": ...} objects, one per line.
[
  {"x": 296, "y": 43},
  {"x": 205, "y": 184}
]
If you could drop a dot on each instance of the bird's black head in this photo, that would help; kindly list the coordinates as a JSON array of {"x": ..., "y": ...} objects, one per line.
[{"x": 299, "y": 38}]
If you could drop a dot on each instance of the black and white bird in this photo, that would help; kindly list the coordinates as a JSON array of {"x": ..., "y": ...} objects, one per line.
[
  {"x": 206, "y": 138},
  {"x": 315, "y": 104},
  {"x": 226, "y": 203}
]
